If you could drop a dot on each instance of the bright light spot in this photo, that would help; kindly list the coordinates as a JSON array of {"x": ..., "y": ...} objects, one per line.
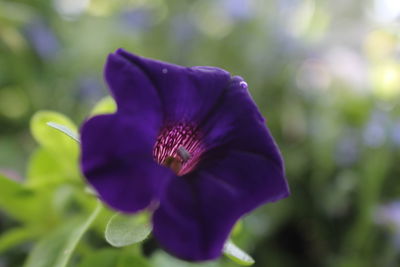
[
  {"x": 390, "y": 77},
  {"x": 386, "y": 10},
  {"x": 348, "y": 66},
  {"x": 380, "y": 44},
  {"x": 71, "y": 8},
  {"x": 386, "y": 80}
]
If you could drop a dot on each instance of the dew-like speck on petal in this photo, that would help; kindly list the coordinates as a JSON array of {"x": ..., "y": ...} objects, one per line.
[
  {"x": 243, "y": 84},
  {"x": 164, "y": 70}
]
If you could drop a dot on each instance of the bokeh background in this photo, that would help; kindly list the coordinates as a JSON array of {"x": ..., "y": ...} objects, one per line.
[{"x": 325, "y": 74}]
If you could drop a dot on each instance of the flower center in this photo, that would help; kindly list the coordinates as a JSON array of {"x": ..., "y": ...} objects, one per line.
[{"x": 178, "y": 147}]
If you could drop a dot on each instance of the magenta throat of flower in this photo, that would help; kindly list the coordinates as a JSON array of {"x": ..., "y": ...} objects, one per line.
[{"x": 178, "y": 147}]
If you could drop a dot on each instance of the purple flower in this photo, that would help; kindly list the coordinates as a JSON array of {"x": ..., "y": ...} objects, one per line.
[
  {"x": 188, "y": 143},
  {"x": 42, "y": 39}
]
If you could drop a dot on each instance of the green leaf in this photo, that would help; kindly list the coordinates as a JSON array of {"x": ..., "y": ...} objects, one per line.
[
  {"x": 123, "y": 230},
  {"x": 15, "y": 237},
  {"x": 56, "y": 249},
  {"x": 237, "y": 229},
  {"x": 64, "y": 129},
  {"x": 18, "y": 201},
  {"x": 57, "y": 158},
  {"x": 59, "y": 144},
  {"x": 131, "y": 260},
  {"x": 236, "y": 254},
  {"x": 105, "y": 106},
  {"x": 44, "y": 169},
  {"x": 101, "y": 258},
  {"x": 114, "y": 258}
]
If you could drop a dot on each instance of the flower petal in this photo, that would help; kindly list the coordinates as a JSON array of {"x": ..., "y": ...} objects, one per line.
[
  {"x": 187, "y": 94},
  {"x": 242, "y": 131},
  {"x": 132, "y": 89},
  {"x": 193, "y": 223},
  {"x": 117, "y": 161},
  {"x": 199, "y": 210},
  {"x": 256, "y": 179},
  {"x": 237, "y": 124}
]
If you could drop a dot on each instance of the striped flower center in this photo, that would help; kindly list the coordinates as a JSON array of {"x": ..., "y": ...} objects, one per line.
[{"x": 178, "y": 147}]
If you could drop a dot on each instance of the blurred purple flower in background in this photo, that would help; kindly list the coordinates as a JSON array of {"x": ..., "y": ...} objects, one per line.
[
  {"x": 395, "y": 133},
  {"x": 187, "y": 143},
  {"x": 389, "y": 215},
  {"x": 237, "y": 9},
  {"x": 89, "y": 89},
  {"x": 376, "y": 131},
  {"x": 12, "y": 174},
  {"x": 137, "y": 20},
  {"x": 42, "y": 39},
  {"x": 348, "y": 148},
  {"x": 183, "y": 29}
]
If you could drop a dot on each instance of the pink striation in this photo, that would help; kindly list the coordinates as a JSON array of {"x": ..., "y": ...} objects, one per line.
[{"x": 173, "y": 144}]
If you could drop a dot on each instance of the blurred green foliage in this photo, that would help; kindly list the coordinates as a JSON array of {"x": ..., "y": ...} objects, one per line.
[{"x": 326, "y": 75}]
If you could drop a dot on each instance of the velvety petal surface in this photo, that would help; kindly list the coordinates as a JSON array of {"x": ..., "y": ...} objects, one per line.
[
  {"x": 232, "y": 130},
  {"x": 237, "y": 124},
  {"x": 185, "y": 224},
  {"x": 241, "y": 170},
  {"x": 199, "y": 210},
  {"x": 187, "y": 94},
  {"x": 132, "y": 90},
  {"x": 117, "y": 161}
]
